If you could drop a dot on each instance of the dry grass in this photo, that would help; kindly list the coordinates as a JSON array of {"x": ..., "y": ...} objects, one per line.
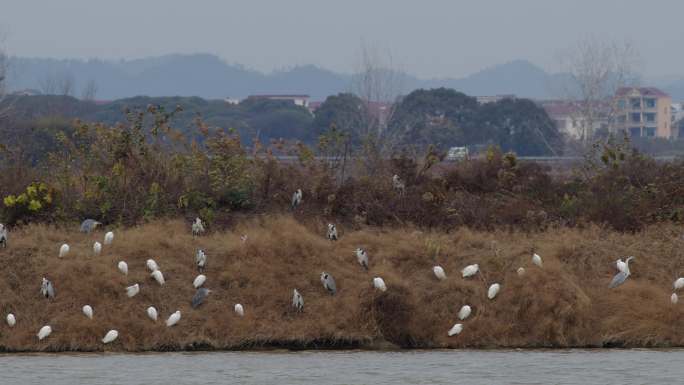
[{"x": 565, "y": 304}]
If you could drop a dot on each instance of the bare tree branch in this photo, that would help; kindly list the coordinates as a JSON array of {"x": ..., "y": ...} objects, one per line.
[{"x": 89, "y": 91}]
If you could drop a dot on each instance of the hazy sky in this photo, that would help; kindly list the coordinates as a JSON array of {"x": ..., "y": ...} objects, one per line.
[{"x": 429, "y": 38}]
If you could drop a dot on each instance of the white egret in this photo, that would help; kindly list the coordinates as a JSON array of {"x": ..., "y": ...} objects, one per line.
[
  {"x": 362, "y": 257},
  {"x": 679, "y": 283},
  {"x": 200, "y": 295},
  {"x": 173, "y": 318},
  {"x": 47, "y": 289},
  {"x": 521, "y": 271},
  {"x": 464, "y": 312},
  {"x": 328, "y": 283},
  {"x": 97, "y": 248},
  {"x": 199, "y": 281},
  {"x": 131, "y": 291},
  {"x": 536, "y": 259},
  {"x": 621, "y": 276},
  {"x": 110, "y": 336},
  {"x": 297, "y": 301},
  {"x": 379, "y": 284},
  {"x": 620, "y": 264},
  {"x": 63, "y": 250},
  {"x": 296, "y": 198},
  {"x": 197, "y": 227},
  {"x": 152, "y": 265},
  {"x": 439, "y": 273},
  {"x": 674, "y": 298},
  {"x": 3, "y": 235},
  {"x": 44, "y": 332},
  {"x": 109, "y": 238},
  {"x": 243, "y": 238},
  {"x": 123, "y": 267},
  {"x": 158, "y": 276},
  {"x": 89, "y": 225},
  {"x": 493, "y": 290},
  {"x": 239, "y": 310},
  {"x": 11, "y": 320},
  {"x": 201, "y": 260},
  {"x": 152, "y": 313},
  {"x": 470, "y": 270},
  {"x": 455, "y": 330},
  {"x": 332, "y": 232},
  {"x": 398, "y": 184},
  {"x": 88, "y": 311}
]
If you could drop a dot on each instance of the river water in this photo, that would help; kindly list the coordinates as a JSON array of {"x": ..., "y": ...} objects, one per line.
[{"x": 349, "y": 367}]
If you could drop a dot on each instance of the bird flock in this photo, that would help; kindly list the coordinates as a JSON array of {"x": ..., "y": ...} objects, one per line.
[{"x": 48, "y": 291}]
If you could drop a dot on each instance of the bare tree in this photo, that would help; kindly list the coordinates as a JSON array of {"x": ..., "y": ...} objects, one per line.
[
  {"x": 4, "y": 70},
  {"x": 597, "y": 69},
  {"x": 58, "y": 83},
  {"x": 89, "y": 91}
]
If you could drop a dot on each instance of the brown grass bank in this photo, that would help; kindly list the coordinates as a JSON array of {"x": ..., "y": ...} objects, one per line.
[{"x": 565, "y": 304}]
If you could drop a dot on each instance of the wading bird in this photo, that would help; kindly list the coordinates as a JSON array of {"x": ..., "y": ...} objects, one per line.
[
  {"x": 536, "y": 259},
  {"x": 362, "y": 257},
  {"x": 621, "y": 276},
  {"x": 3, "y": 236},
  {"x": 679, "y": 283},
  {"x": 332, "y": 232},
  {"x": 199, "y": 281},
  {"x": 63, "y": 250},
  {"x": 297, "y": 301},
  {"x": 470, "y": 270},
  {"x": 197, "y": 227},
  {"x": 439, "y": 273},
  {"x": 11, "y": 320},
  {"x": 173, "y": 318},
  {"x": 200, "y": 295},
  {"x": 296, "y": 199},
  {"x": 521, "y": 271},
  {"x": 464, "y": 312},
  {"x": 47, "y": 289},
  {"x": 152, "y": 313},
  {"x": 109, "y": 238},
  {"x": 674, "y": 298},
  {"x": 110, "y": 336},
  {"x": 493, "y": 290},
  {"x": 131, "y": 291},
  {"x": 158, "y": 276},
  {"x": 123, "y": 267},
  {"x": 455, "y": 330},
  {"x": 379, "y": 284},
  {"x": 201, "y": 260},
  {"x": 88, "y": 311},
  {"x": 398, "y": 184},
  {"x": 239, "y": 310},
  {"x": 97, "y": 248},
  {"x": 44, "y": 332},
  {"x": 620, "y": 264},
  {"x": 328, "y": 283},
  {"x": 89, "y": 225},
  {"x": 152, "y": 265}
]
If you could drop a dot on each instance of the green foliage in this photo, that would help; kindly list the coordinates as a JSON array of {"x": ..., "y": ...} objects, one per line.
[
  {"x": 346, "y": 112},
  {"x": 36, "y": 200}
]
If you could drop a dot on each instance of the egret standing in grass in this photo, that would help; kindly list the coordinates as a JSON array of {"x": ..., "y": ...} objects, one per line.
[
  {"x": 110, "y": 336},
  {"x": 679, "y": 283},
  {"x": 199, "y": 281},
  {"x": 11, "y": 320},
  {"x": 197, "y": 228},
  {"x": 173, "y": 318},
  {"x": 674, "y": 298},
  {"x": 131, "y": 291},
  {"x": 521, "y": 271},
  {"x": 296, "y": 199},
  {"x": 439, "y": 273},
  {"x": 297, "y": 301},
  {"x": 63, "y": 250},
  {"x": 455, "y": 330},
  {"x": 200, "y": 295},
  {"x": 332, "y": 232},
  {"x": 620, "y": 264},
  {"x": 362, "y": 257},
  {"x": 470, "y": 270},
  {"x": 464, "y": 312},
  {"x": 88, "y": 311},
  {"x": 621, "y": 276},
  {"x": 47, "y": 289},
  {"x": 109, "y": 238},
  {"x": 398, "y": 184},
  {"x": 152, "y": 265},
  {"x": 97, "y": 248},
  {"x": 123, "y": 267},
  {"x": 44, "y": 332},
  {"x": 201, "y": 260},
  {"x": 3, "y": 236},
  {"x": 89, "y": 225},
  {"x": 328, "y": 283},
  {"x": 536, "y": 259},
  {"x": 158, "y": 276},
  {"x": 379, "y": 284},
  {"x": 239, "y": 310},
  {"x": 152, "y": 313},
  {"x": 493, "y": 290}
]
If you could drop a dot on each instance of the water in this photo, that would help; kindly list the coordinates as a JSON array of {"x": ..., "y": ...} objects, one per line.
[{"x": 349, "y": 367}]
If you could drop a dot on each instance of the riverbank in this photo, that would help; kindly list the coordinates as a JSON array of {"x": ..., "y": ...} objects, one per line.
[{"x": 564, "y": 304}]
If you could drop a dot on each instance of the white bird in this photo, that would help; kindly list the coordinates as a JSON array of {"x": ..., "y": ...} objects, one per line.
[
  {"x": 3, "y": 235},
  {"x": 439, "y": 273},
  {"x": 398, "y": 184},
  {"x": 201, "y": 260},
  {"x": 296, "y": 198},
  {"x": 362, "y": 257},
  {"x": 123, "y": 267},
  {"x": 379, "y": 284},
  {"x": 47, "y": 288},
  {"x": 674, "y": 298},
  {"x": 328, "y": 283},
  {"x": 152, "y": 313},
  {"x": 243, "y": 238},
  {"x": 64, "y": 250},
  {"x": 88, "y": 311},
  {"x": 679, "y": 283},
  {"x": 297, "y": 301},
  {"x": 97, "y": 248},
  {"x": 110, "y": 336},
  {"x": 44, "y": 332},
  {"x": 536, "y": 259},
  {"x": 456, "y": 329},
  {"x": 239, "y": 310},
  {"x": 470, "y": 270},
  {"x": 11, "y": 320},
  {"x": 464, "y": 312},
  {"x": 152, "y": 265},
  {"x": 173, "y": 318},
  {"x": 622, "y": 276},
  {"x": 131, "y": 291},
  {"x": 197, "y": 227},
  {"x": 521, "y": 271},
  {"x": 199, "y": 281},
  {"x": 158, "y": 276},
  {"x": 620, "y": 264},
  {"x": 109, "y": 238},
  {"x": 332, "y": 232},
  {"x": 493, "y": 290}
]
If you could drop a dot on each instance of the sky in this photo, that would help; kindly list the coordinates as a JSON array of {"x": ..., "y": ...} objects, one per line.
[{"x": 427, "y": 38}]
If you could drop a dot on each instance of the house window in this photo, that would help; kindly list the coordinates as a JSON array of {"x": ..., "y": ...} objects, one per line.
[
  {"x": 635, "y": 131},
  {"x": 622, "y": 118},
  {"x": 635, "y": 103},
  {"x": 650, "y": 117},
  {"x": 650, "y": 131},
  {"x": 650, "y": 103},
  {"x": 636, "y": 117},
  {"x": 621, "y": 104}
]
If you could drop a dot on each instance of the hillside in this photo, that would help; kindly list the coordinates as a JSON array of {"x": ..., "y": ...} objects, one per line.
[{"x": 565, "y": 304}]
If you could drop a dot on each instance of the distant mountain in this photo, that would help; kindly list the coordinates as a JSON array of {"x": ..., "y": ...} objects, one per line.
[{"x": 210, "y": 77}]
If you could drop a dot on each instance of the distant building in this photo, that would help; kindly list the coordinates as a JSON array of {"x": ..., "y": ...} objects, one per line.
[
  {"x": 27, "y": 92},
  {"x": 569, "y": 119},
  {"x": 232, "y": 100},
  {"x": 677, "y": 120},
  {"x": 493, "y": 98},
  {"x": 313, "y": 106},
  {"x": 644, "y": 112},
  {"x": 299, "y": 100}
]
